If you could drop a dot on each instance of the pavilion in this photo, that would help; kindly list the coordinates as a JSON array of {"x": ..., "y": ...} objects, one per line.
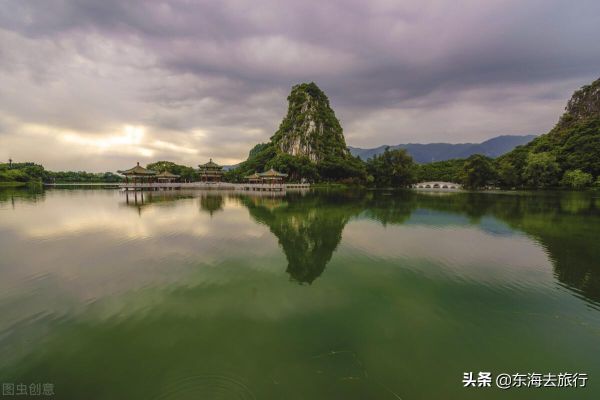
[
  {"x": 254, "y": 178},
  {"x": 138, "y": 174},
  {"x": 211, "y": 172},
  {"x": 166, "y": 177},
  {"x": 272, "y": 177}
]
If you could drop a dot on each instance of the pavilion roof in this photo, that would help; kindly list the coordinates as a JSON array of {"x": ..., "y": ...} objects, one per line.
[
  {"x": 137, "y": 170},
  {"x": 253, "y": 176},
  {"x": 210, "y": 164},
  {"x": 272, "y": 174},
  {"x": 167, "y": 174}
]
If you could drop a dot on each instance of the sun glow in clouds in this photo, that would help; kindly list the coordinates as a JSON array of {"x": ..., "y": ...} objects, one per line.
[{"x": 130, "y": 140}]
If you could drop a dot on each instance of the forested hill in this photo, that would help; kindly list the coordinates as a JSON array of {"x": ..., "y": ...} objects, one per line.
[
  {"x": 432, "y": 152},
  {"x": 570, "y": 150},
  {"x": 309, "y": 143},
  {"x": 310, "y": 128}
]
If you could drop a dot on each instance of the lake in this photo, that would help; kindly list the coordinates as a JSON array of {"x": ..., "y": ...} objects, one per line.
[{"x": 328, "y": 294}]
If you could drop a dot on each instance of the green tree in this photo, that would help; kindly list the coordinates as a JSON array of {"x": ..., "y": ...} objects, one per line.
[
  {"x": 392, "y": 168},
  {"x": 542, "y": 170},
  {"x": 448, "y": 171},
  {"x": 185, "y": 173},
  {"x": 23, "y": 172},
  {"x": 346, "y": 169},
  {"x": 478, "y": 172},
  {"x": 576, "y": 179},
  {"x": 297, "y": 168},
  {"x": 508, "y": 174}
]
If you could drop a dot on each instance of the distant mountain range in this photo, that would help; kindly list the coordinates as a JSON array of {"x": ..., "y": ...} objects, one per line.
[{"x": 426, "y": 153}]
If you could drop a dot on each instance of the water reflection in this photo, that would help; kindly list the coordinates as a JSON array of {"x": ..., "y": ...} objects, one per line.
[
  {"x": 211, "y": 203},
  {"x": 10, "y": 196},
  {"x": 397, "y": 287},
  {"x": 566, "y": 225},
  {"x": 309, "y": 226}
]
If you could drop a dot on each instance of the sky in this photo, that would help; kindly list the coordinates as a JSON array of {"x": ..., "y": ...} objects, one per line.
[{"x": 99, "y": 85}]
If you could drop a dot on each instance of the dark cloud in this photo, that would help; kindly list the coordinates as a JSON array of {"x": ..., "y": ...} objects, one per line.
[{"x": 198, "y": 74}]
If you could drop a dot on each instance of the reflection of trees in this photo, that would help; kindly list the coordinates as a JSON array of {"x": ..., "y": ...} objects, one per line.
[
  {"x": 568, "y": 227},
  {"x": 566, "y": 224},
  {"x": 28, "y": 194},
  {"x": 211, "y": 203},
  {"x": 390, "y": 207},
  {"x": 309, "y": 229}
]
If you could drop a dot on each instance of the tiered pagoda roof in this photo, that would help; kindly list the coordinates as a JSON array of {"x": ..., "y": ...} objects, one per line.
[
  {"x": 211, "y": 165},
  {"x": 272, "y": 174},
  {"x": 137, "y": 171},
  {"x": 167, "y": 174}
]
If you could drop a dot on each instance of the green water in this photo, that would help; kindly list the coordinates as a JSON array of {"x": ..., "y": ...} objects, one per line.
[{"x": 326, "y": 295}]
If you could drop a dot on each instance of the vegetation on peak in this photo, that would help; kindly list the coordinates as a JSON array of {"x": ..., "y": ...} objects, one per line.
[
  {"x": 583, "y": 105},
  {"x": 310, "y": 127},
  {"x": 573, "y": 144},
  {"x": 309, "y": 143}
]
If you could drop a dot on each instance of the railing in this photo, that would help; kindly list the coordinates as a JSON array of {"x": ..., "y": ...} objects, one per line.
[
  {"x": 437, "y": 185},
  {"x": 176, "y": 185},
  {"x": 215, "y": 185}
]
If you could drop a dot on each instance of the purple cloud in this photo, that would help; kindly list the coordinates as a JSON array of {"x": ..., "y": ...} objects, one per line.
[{"x": 209, "y": 79}]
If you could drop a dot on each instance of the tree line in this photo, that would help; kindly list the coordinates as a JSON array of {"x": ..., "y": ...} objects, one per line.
[
  {"x": 522, "y": 169},
  {"x": 29, "y": 172}
]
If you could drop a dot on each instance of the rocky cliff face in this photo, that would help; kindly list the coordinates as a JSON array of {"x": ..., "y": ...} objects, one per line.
[
  {"x": 573, "y": 144},
  {"x": 310, "y": 128},
  {"x": 583, "y": 105}
]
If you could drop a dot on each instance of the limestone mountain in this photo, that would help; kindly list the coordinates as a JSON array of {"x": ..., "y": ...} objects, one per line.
[
  {"x": 310, "y": 127},
  {"x": 309, "y": 144},
  {"x": 573, "y": 144},
  {"x": 584, "y": 105}
]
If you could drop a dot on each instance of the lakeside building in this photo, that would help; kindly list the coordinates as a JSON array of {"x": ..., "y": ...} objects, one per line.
[
  {"x": 138, "y": 174},
  {"x": 211, "y": 172},
  {"x": 254, "y": 178},
  {"x": 167, "y": 177},
  {"x": 272, "y": 177}
]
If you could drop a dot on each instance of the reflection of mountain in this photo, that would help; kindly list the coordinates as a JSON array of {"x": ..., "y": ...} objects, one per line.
[{"x": 308, "y": 228}]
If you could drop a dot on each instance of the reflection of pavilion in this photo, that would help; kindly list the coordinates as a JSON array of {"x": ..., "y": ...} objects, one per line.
[
  {"x": 141, "y": 200},
  {"x": 211, "y": 203}
]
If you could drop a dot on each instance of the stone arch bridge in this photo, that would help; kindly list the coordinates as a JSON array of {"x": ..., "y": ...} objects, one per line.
[{"x": 437, "y": 185}]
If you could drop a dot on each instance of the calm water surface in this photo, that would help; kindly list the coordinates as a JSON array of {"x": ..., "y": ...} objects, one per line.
[{"x": 326, "y": 295}]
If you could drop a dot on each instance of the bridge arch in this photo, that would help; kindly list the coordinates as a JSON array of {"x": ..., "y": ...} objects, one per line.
[{"x": 437, "y": 185}]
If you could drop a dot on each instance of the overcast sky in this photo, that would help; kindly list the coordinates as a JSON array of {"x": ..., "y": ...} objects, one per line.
[{"x": 98, "y": 85}]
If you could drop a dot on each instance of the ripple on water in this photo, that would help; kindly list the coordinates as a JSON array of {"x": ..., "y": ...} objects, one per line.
[{"x": 206, "y": 386}]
